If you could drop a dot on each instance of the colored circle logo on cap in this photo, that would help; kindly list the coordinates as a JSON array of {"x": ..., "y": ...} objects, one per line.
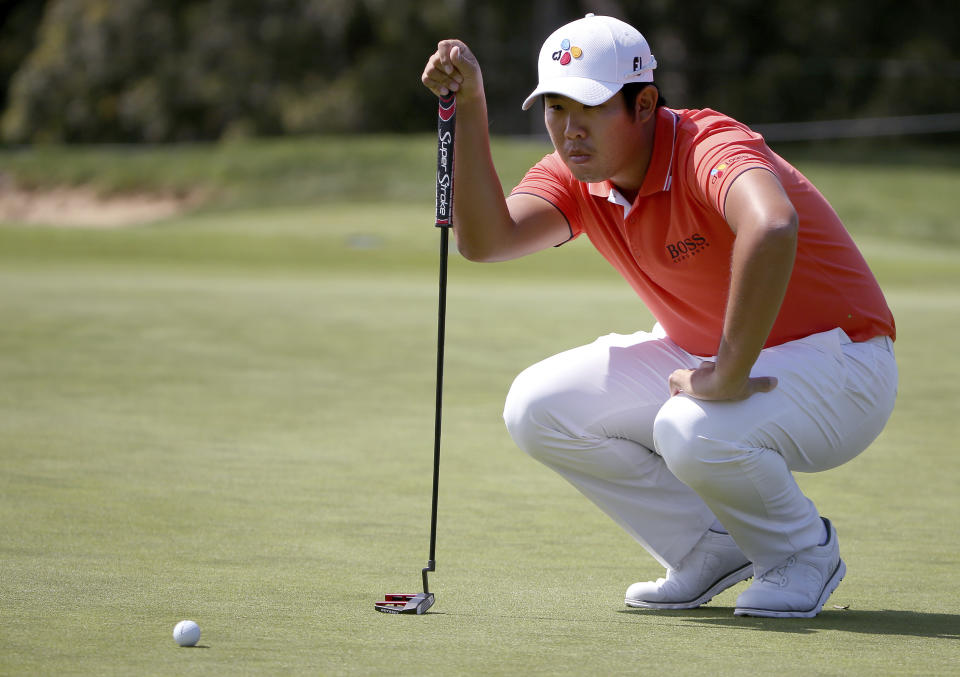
[{"x": 567, "y": 52}]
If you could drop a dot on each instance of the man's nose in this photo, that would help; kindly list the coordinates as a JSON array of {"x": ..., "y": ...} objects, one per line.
[{"x": 574, "y": 129}]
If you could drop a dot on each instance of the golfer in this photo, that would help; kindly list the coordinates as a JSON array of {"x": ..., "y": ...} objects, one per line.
[{"x": 773, "y": 347}]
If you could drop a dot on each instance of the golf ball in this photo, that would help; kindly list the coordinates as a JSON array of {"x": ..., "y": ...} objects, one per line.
[{"x": 186, "y": 633}]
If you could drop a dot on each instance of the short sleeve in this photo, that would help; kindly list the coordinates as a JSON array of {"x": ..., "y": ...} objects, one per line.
[
  {"x": 551, "y": 180},
  {"x": 722, "y": 152}
]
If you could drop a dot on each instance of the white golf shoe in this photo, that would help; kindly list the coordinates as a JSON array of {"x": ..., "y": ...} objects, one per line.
[
  {"x": 714, "y": 564},
  {"x": 799, "y": 587}
]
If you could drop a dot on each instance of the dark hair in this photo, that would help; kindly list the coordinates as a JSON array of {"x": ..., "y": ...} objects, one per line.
[{"x": 632, "y": 90}]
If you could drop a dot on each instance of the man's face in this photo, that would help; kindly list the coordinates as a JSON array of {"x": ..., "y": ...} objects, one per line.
[{"x": 596, "y": 142}]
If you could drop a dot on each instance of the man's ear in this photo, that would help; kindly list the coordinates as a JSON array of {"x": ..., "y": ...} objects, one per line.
[{"x": 646, "y": 103}]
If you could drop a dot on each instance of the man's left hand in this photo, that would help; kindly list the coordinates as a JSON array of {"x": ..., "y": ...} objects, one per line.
[{"x": 705, "y": 383}]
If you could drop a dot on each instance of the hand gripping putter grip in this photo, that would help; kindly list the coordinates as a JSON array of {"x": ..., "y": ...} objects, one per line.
[{"x": 418, "y": 603}]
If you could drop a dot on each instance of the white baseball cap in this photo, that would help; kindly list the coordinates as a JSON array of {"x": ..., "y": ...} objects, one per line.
[{"x": 591, "y": 59}]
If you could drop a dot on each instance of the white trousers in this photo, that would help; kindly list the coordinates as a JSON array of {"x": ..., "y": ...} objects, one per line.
[{"x": 664, "y": 468}]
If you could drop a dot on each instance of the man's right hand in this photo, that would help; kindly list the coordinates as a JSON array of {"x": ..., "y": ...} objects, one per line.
[{"x": 453, "y": 68}]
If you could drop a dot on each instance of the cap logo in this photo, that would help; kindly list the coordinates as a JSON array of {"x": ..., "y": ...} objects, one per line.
[{"x": 566, "y": 51}]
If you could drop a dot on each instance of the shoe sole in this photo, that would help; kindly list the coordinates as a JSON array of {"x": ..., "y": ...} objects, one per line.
[
  {"x": 727, "y": 580},
  {"x": 828, "y": 589}
]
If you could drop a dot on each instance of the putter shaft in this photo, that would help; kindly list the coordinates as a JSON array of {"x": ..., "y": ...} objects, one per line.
[
  {"x": 446, "y": 126},
  {"x": 446, "y": 130}
]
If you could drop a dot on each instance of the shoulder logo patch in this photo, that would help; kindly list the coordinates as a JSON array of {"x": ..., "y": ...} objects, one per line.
[
  {"x": 717, "y": 172},
  {"x": 721, "y": 168}
]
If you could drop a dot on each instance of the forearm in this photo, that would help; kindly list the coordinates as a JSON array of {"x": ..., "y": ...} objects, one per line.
[
  {"x": 761, "y": 265},
  {"x": 481, "y": 221},
  {"x": 766, "y": 226},
  {"x": 486, "y": 228}
]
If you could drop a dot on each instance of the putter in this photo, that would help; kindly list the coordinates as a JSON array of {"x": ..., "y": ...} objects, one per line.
[{"x": 418, "y": 603}]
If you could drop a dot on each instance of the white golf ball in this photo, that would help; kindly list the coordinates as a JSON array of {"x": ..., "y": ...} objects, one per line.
[{"x": 186, "y": 633}]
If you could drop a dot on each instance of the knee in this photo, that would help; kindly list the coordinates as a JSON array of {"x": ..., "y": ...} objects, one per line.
[
  {"x": 531, "y": 413},
  {"x": 522, "y": 411},
  {"x": 683, "y": 438}
]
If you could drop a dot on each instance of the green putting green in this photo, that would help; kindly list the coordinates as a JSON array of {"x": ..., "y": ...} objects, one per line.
[{"x": 228, "y": 417}]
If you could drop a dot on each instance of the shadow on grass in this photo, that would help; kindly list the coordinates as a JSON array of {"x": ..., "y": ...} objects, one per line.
[{"x": 869, "y": 622}]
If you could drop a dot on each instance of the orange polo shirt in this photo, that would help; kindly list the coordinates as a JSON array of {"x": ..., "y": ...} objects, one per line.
[{"x": 675, "y": 247}]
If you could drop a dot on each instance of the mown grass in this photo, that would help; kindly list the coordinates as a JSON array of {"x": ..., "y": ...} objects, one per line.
[{"x": 228, "y": 417}]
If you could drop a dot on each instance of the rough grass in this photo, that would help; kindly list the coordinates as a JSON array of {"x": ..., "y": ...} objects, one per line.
[
  {"x": 880, "y": 188},
  {"x": 228, "y": 417}
]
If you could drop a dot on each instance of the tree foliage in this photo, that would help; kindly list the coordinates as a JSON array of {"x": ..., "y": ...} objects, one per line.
[{"x": 147, "y": 71}]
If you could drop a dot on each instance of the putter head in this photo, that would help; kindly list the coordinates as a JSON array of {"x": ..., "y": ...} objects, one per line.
[{"x": 405, "y": 603}]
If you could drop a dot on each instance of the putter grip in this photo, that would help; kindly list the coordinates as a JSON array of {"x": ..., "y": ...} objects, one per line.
[{"x": 446, "y": 126}]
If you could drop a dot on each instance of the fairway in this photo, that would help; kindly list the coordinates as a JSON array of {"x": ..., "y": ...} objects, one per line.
[{"x": 228, "y": 417}]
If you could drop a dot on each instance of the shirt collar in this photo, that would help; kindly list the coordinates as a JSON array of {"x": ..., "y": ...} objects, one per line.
[
  {"x": 659, "y": 174},
  {"x": 616, "y": 198}
]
